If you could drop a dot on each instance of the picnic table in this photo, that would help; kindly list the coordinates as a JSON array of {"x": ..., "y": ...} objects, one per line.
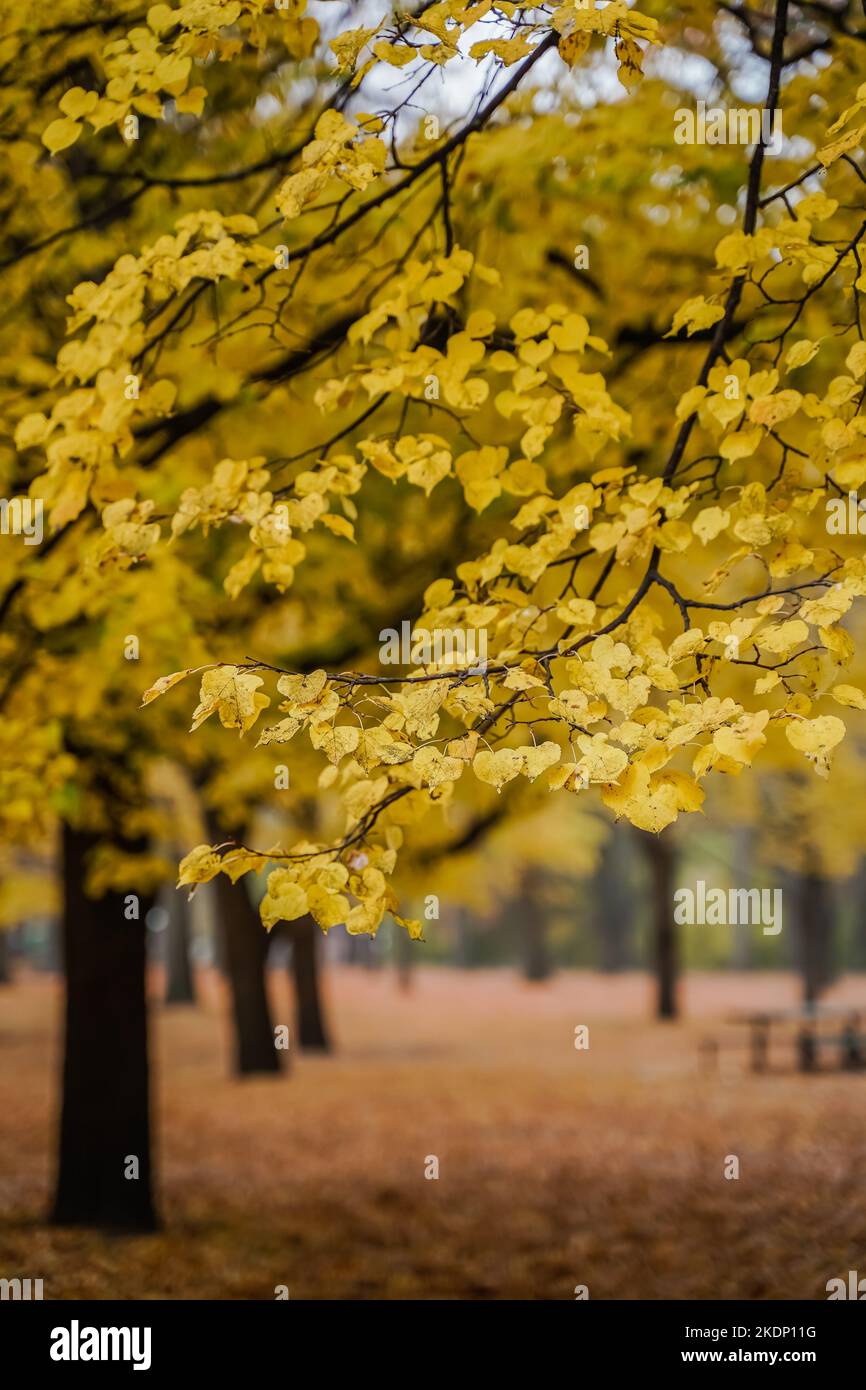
[{"x": 847, "y": 1035}]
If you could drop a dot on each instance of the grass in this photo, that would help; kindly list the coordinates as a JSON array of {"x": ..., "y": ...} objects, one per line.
[{"x": 557, "y": 1167}]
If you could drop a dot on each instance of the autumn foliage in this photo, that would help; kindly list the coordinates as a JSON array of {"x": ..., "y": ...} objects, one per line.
[{"x": 301, "y": 345}]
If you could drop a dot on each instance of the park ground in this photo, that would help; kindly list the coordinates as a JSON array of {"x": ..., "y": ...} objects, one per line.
[{"x": 557, "y": 1167}]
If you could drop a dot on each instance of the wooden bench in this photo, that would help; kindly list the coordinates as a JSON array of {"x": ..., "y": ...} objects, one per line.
[{"x": 847, "y": 1038}]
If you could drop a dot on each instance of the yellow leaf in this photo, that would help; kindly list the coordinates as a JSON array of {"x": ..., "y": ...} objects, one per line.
[
  {"x": 77, "y": 102},
  {"x": 191, "y": 103},
  {"x": 284, "y": 901},
  {"x": 856, "y": 359},
  {"x": 232, "y": 693},
  {"x": 800, "y": 353},
  {"x": 849, "y": 695},
  {"x": 538, "y": 757},
  {"x": 694, "y": 315},
  {"x": 280, "y": 733},
  {"x": 163, "y": 684},
  {"x": 837, "y": 148},
  {"x": 61, "y": 134},
  {"x": 199, "y": 866},
  {"x": 815, "y": 738},
  {"x": 710, "y": 523},
  {"x": 497, "y": 768}
]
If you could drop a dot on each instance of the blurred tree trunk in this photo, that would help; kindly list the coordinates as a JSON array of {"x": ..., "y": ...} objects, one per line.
[
  {"x": 105, "y": 1119},
  {"x": 245, "y": 947},
  {"x": 613, "y": 903},
  {"x": 530, "y": 916},
  {"x": 5, "y": 957},
  {"x": 661, "y": 859},
  {"x": 310, "y": 1027},
  {"x": 243, "y": 952},
  {"x": 537, "y": 964},
  {"x": 179, "y": 979},
  {"x": 360, "y": 951},
  {"x": 465, "y": 944},
  {"x": 815, "y": 923},
  {"x": 856, "y": 896},
  {"x": 741, "y": 935}
]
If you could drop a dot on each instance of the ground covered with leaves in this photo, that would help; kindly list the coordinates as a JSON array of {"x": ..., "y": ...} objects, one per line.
[{"x": 558, "y": 1167}]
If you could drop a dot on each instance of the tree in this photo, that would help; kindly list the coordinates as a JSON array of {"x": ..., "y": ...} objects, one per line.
[
  {"x": 245, "y": 946},
  {"x": 179, "y": 979},
  {"x": 566, "y": 658},
  {"x": 665, "y": 946},
  {"x": 311, "y": 1031},
  {"x": 104, "y": 1173},
  {"x": 253, "y": 231}
]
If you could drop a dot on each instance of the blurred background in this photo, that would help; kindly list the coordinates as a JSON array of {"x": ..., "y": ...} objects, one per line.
[{"x": 580, "y": 1140}]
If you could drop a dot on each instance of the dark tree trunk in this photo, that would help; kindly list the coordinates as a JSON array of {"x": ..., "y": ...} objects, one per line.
[
  {"x": 816, "y": 935},
  {"x": 5, "y": 957},
  {"x": 537, "y": 964},
  {"x": 310, "y": 1027},
  {"x": 105, "y": 1119},
  {"x": 179, "y": 979},
  {"x": 613, "y": 904},
  {"x": 741, "y": 935},
  {"x": 245, "y": 947},
  {"x": 465, "y": 941},
  {"x": 530, "y": 917},
  {"x": 360, "y": 951},
  {"x": 858, "y": 937},
  {"x": 665, "y": 946}
]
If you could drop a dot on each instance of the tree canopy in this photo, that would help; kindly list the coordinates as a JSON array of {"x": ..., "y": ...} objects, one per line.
[{"x": 318, "y": 327}]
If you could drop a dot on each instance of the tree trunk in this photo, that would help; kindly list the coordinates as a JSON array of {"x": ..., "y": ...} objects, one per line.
[
  {"x": 105, "y": 1119},
  {"x": 179, "y": 980},
  {"x": 741, "y": 935},
  {"x": 5, "y": 957},
  {"x": 245, "y": 947},
  {"x": 660, "y": 855},
  {"x": 613, "y": 903},
  {"x": 816, "y": 933},
  {"x": 537, "y": 964},
  {"x": 360, "y": 950},
  {"x": 310, "y": 1027},
  {"x": 531, "y": 918},
  {"x": 465, "y": 941}
]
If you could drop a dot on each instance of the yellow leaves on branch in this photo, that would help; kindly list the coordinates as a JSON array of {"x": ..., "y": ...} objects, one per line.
[
  {"x": 153, "y": 62},
  {"x": 498, "y": 768},
  {"x": 652, "y": 800},
  {"x": 233, "y": 695},
  {"x": 696, "y": 313},
  {"x": 546, "y": 380},
  {"x": 851, "y": 139},
  {"x": 576, "y": 22},
  {"x": 340, "y": 149}
]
